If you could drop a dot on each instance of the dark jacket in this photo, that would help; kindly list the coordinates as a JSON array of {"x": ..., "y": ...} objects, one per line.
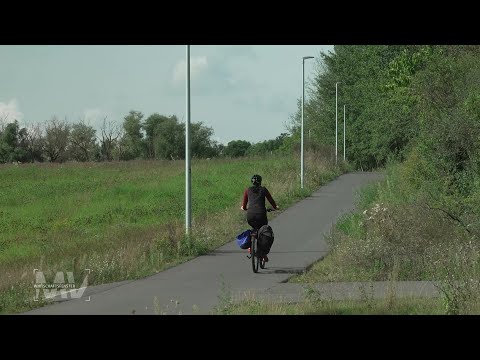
[{"x": 254, "y": 197}]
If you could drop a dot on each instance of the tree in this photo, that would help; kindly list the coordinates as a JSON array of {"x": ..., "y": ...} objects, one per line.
[
  {"x": 202, "y": 144},
  {"x": 169, "y": 141},
  {"x": 219, "y": 149},
  {"x": 150, "y": 126},
  {"x": 12, "y": 144},
  {"x": 375, "y": 87},
  {"x": 21, "y": 151},
  {"x": 110, "y": 135},
  {"x": 82, "y": 142},
  {"x": 236, "y": 148},
  {"x": 132, "y": 138},
  {"x": 56, "y": 139},
  {"x": 34, "y": 142},
  {"x": 8, "y": 142},
  {"x": 165, "y": 138},
  {"x": 267, "y": 146},
  {"x": 120, "y": 152},
  {"x": 3, "y": 121}
]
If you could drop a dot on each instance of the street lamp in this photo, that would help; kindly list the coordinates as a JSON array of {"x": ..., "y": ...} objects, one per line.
[
  {"x": 336, "y": 122},
  {"x": 303, "y": 101},
  {"x": 188, "y": 184},
  {"x": 344, "y": 132}
]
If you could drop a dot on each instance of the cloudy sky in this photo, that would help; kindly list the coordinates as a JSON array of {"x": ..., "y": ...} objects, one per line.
[{"x": 241, "y": 91}]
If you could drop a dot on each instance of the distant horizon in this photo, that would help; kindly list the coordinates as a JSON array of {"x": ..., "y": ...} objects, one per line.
[
  {"x": 181, "y": 121},
  {"x": 241, "y": 92}
]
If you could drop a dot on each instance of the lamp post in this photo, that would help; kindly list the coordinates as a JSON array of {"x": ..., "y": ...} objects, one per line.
[
  {"x": 188, "y": 184},
  {"x": 344, "y": 132},
  {"x": 336, "y": 122},
  {"x": 303, "y": 102}
]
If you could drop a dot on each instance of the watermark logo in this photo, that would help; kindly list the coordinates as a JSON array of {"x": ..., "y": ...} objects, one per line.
[{"x": 59, "y": 287}]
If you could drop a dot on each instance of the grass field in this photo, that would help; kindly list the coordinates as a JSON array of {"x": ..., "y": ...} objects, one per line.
[
  {"x": 404, "y": 306},
  {"x": 125, "y": 220},
  {"x": 314, "y": 303}
]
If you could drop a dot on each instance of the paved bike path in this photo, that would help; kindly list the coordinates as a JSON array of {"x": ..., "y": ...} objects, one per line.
[{"x": 195, "y": 287}]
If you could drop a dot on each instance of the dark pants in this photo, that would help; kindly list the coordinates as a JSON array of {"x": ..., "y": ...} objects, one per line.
[{"x": 257, "y": 220}]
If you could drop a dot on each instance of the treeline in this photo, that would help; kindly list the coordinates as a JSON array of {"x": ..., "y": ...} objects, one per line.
[
  {"x": 415, "y": 105},
  {"x": 155, "y": 137},
  {"x": 396, "y": 97}
]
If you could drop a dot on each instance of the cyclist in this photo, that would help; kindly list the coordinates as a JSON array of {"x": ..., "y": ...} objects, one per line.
[{"x": 255, "y": 197}]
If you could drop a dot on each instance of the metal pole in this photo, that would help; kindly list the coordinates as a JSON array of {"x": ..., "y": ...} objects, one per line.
[
  {"x": 303, "y": 96},
  {"x": 188, "y": 184},
  {"x": 336, "y": 123},
  {"x": 303, "y": 102},
  {"x": 343, "y": 132}
]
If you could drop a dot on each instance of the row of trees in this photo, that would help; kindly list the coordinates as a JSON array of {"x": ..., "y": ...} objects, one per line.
[
  {"x": 394, "y": 95},
  {"x": 238, "y": 148},
  {"x": 418, "y": 105},
  {"x": 156, "y": 137}
]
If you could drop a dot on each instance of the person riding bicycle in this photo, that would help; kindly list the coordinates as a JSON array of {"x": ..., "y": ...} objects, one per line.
[{"x": 255, "y": 197}]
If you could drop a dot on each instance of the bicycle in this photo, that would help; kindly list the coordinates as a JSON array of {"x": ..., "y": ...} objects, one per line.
[{"x": 255, "y": 255}]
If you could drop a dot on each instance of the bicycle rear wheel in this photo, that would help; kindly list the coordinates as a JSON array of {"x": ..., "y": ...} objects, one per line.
[{"x": 255, "y": 258}]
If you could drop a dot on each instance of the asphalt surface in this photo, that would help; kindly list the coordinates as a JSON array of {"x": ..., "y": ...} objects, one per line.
[{"x": 198, "y": 286}]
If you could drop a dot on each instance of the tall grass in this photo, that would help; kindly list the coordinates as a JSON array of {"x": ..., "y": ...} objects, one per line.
[
  {"x": 313, "y": 304},
  {"x": 397, "y": 232}
]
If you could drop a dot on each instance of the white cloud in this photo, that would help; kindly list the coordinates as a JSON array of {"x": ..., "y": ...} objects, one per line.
[
  {"x": 198, "y": 65},
  {"x": 221, "y": 70},
  {"x": 10, "y": 112}
]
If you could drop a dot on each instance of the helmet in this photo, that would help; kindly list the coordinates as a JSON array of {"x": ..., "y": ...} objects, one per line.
[{"x": 256, "y": 180}]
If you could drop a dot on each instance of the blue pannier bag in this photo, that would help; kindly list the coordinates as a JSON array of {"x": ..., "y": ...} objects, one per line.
[{"x": 244, "y": 240}]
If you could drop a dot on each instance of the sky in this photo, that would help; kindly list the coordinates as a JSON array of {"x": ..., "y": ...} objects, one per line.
[{"x": 245, "y": 92}]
